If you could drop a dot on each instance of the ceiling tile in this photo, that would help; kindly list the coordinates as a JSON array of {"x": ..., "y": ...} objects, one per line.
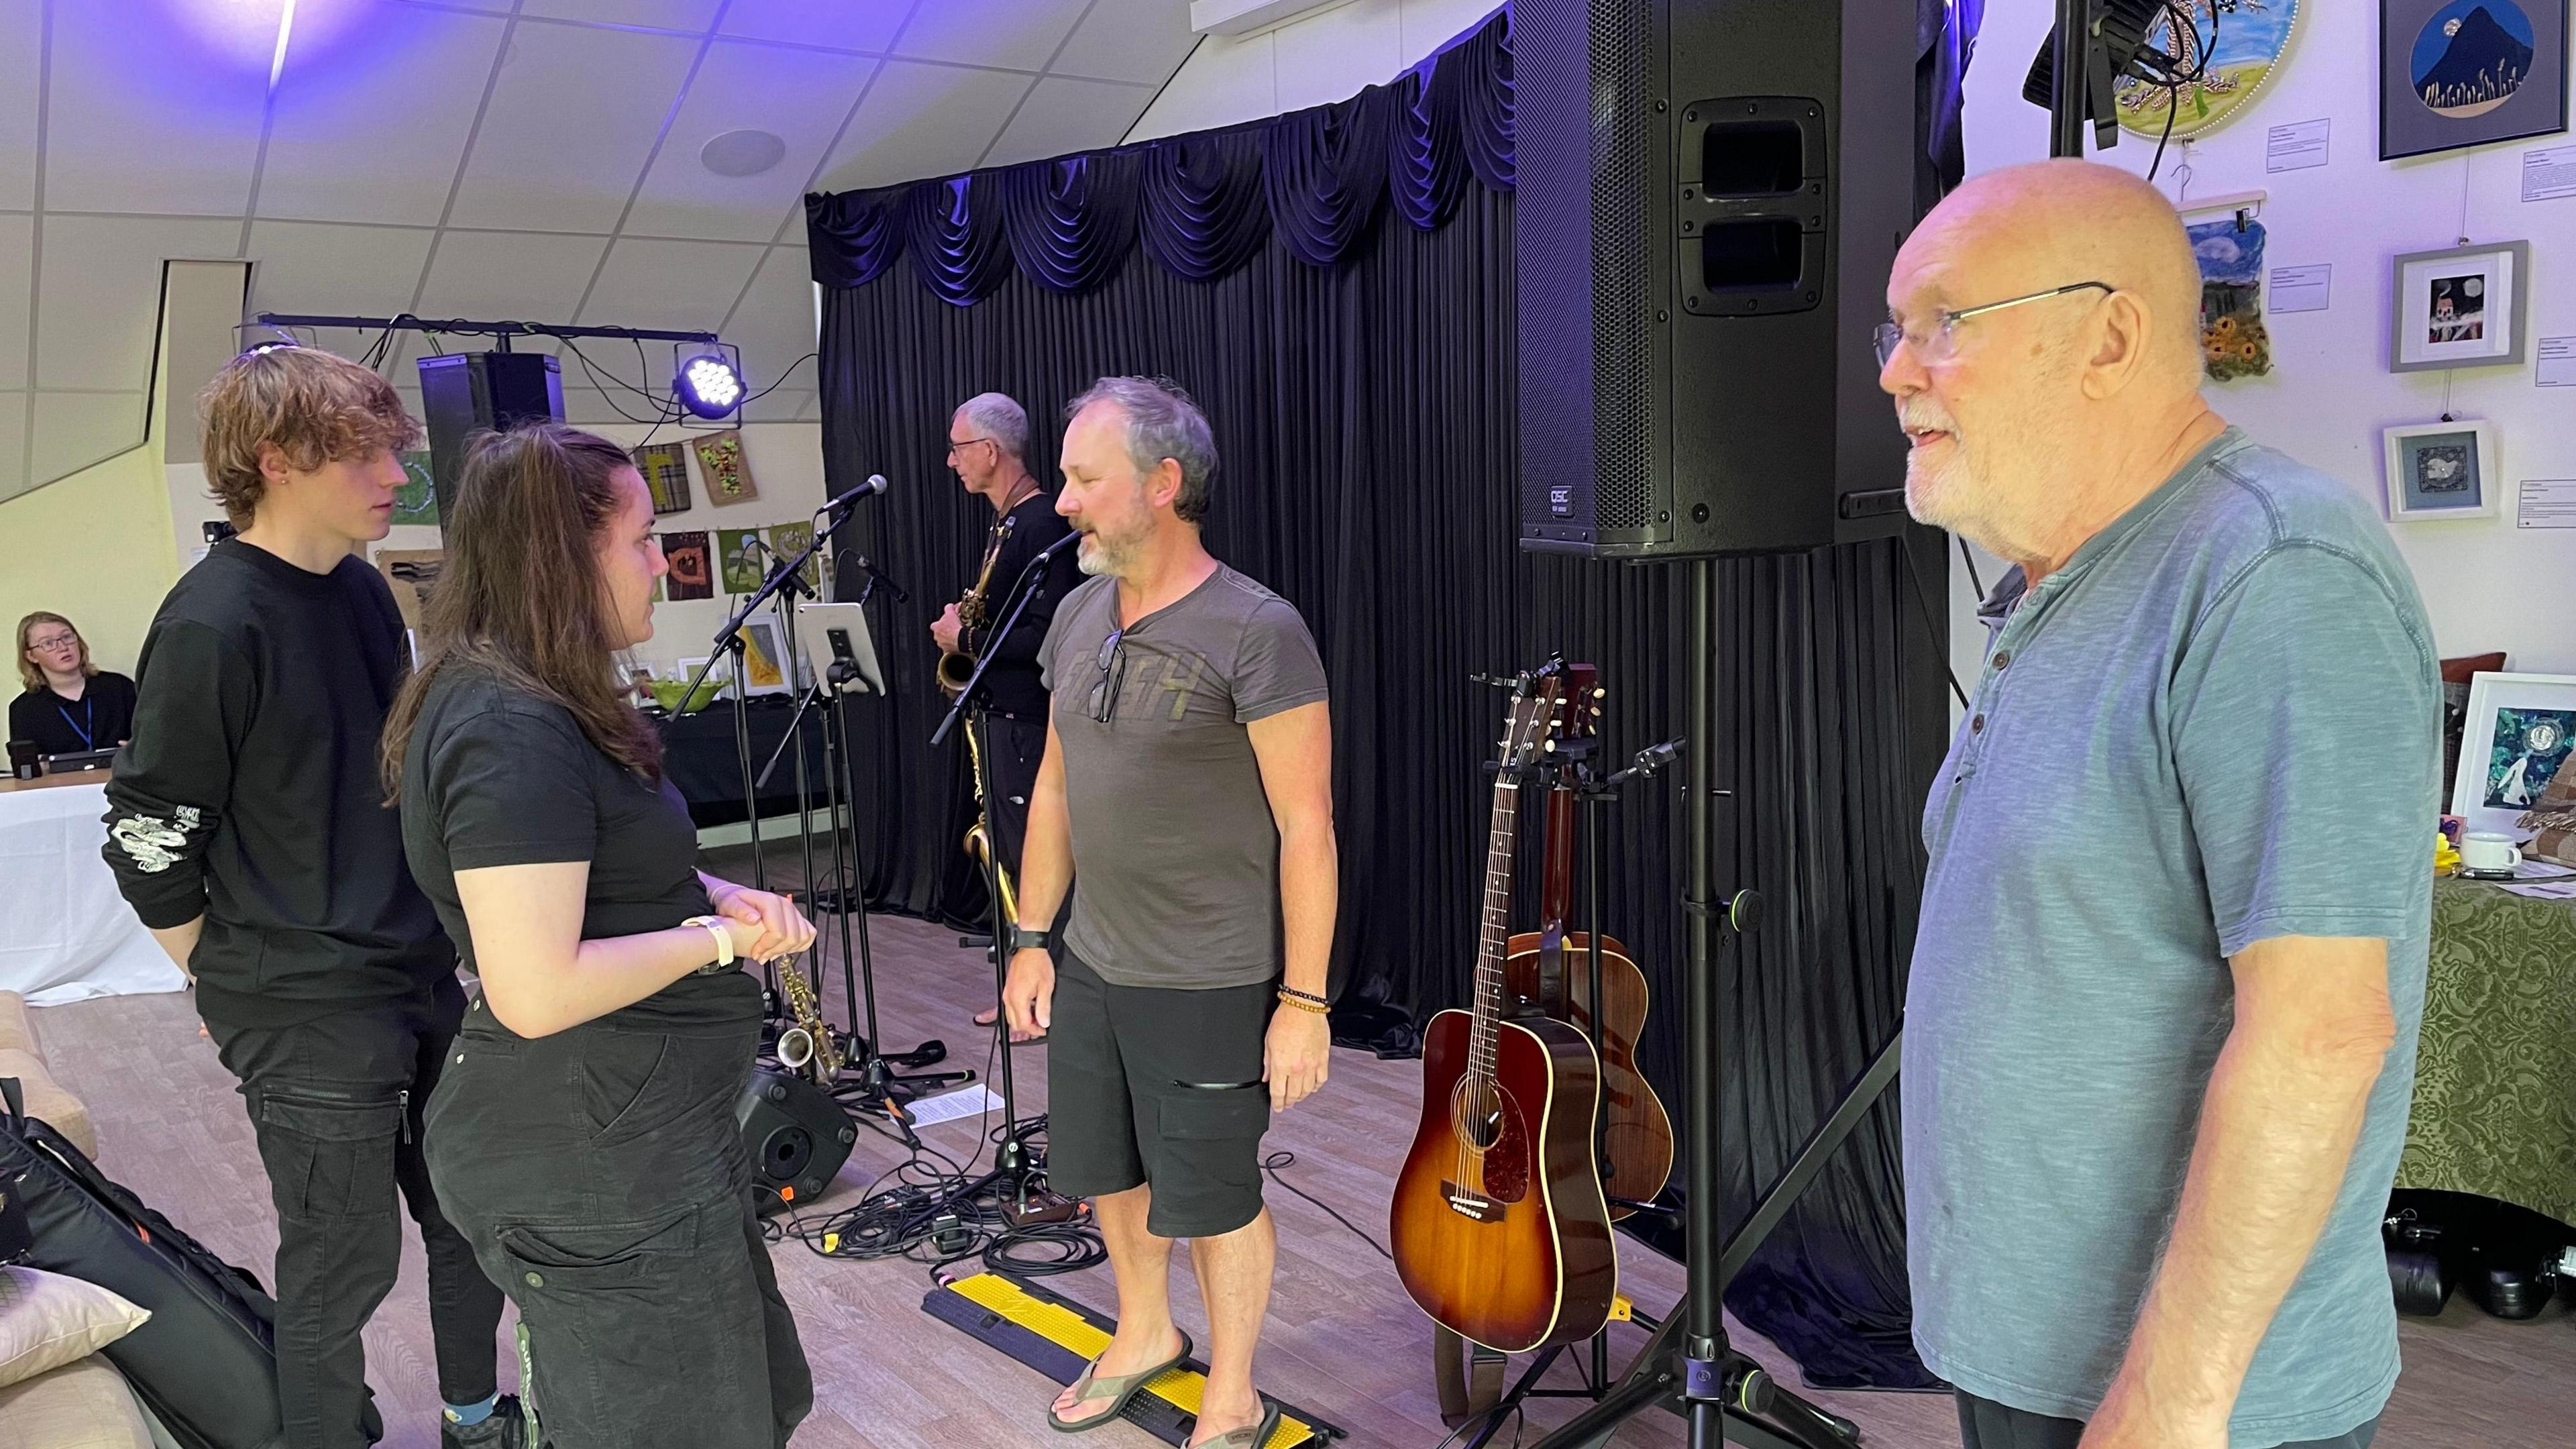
[
  {"x": 20, "y": 66},
  {"x": 569, "y": 125},
  {"x": 306, "y": 266},
  {"x": 666, "y": 14},
  {"x": 372, "y": 130},
  {"x": 508, "y": 277},
  {"x": 801, "y": 96},
  {"x": 1431, "y": 24},
  {"x": 1225, "y": 81},
  {"x": 685, "y": 285},
  {"x": 98, "y": 299},
  {"x": 76, "y": 429},
  {"x": 921, "y": 120},
  {"x": 846, "y": 24},
  {"x": 1132, "y": 40},
  {"x": 13, "y": 445},
  {"x": 149, "y": 115},
  {"x": 774, "y": 326},
  {"x": 1065, "y": 114},
  {"x": 1330, "y": 57},
  {"x": 1018, "y": 34},
  {"x": 17, "y": 252}
]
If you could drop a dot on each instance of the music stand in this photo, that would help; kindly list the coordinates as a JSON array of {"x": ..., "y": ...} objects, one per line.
[{"x": 839, "y": 633}]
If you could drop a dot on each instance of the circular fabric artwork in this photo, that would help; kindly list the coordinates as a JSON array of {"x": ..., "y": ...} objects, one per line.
[
  {"x": 2233, "y": 45},
  {"x": 2471, "y": 57}
]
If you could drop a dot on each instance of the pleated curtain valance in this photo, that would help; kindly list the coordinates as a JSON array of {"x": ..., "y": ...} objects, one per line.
[{"x": 1199, "y": 205}]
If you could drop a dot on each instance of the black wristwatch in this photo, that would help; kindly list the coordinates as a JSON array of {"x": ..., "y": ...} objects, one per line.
[{"x": 1024, "y": 939}]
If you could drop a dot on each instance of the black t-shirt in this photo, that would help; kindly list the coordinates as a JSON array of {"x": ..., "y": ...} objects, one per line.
[
  {"x": 100, "y": 719},
  {"x": 494, "y": 776}
]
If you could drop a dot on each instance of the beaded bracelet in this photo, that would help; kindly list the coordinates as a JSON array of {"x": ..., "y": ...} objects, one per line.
[
  {"x": 1305, "y": 996},
  {"x": 1288, "y": 998}
]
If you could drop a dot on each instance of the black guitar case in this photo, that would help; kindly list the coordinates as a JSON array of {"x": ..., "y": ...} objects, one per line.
[{"x": 204, "y": 1363}]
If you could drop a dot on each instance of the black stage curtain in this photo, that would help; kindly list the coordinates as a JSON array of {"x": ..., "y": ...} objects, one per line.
[{"x": 1364, "y": 411}]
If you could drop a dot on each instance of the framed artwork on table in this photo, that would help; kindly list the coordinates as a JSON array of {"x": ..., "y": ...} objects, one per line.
[
  {"x": 764, "y": 658},
  {"x": 2441, "y": 470},
  {"x": 2520, "y": 732},
  {"x": 2459, "y": 307},
  {"x": 2456, "y": 73}
]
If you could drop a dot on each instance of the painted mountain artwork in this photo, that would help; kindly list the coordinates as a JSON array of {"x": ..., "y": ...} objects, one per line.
[{"x": 2471, "y": 57}]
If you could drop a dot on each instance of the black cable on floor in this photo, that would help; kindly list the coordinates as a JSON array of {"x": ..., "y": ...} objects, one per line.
[{"x": 1277, "y": 1160}]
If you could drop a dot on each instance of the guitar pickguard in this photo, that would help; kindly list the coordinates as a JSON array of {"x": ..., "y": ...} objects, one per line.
[{"x": 1504, "y": 1150}]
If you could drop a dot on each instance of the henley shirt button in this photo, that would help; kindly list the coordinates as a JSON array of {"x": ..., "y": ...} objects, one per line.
[
  {"x": 2002, "y": 659},
  {"x": 1977, "y": 726},
  {"x": 536, "y": 1280}
]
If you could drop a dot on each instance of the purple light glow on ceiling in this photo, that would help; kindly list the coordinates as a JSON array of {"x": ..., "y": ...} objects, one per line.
[{"x": 265, "y": 37}]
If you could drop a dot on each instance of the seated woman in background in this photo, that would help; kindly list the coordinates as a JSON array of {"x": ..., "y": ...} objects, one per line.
[
  {"x": 71, "y": 705},
  {"x": 583, "y": 1133}
]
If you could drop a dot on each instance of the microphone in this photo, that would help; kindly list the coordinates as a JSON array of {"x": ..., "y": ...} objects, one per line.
[
  {"x": 876, "y": 484},
  {"x": 1048, "y": 552}
]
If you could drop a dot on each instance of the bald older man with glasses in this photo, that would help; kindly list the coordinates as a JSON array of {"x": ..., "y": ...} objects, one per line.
[{"x": 2160, "y": 1030}]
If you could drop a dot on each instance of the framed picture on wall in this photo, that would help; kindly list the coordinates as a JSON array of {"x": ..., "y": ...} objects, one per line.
[
  {"x": 2460, "y": 307},
  {"x": 2520, "y": 732},
  {"x": 2456, "y": 73},
  {"x": 2441, "y": 470}
]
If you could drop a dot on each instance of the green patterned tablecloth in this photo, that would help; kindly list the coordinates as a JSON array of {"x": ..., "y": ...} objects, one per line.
[{"x": 2495, "y": 1085}]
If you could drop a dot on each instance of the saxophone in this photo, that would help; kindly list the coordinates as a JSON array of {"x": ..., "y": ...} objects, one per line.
[
  {"x": 805, "y": 1048},
  {"x": 955, "y": 669},
  {"x": 979, "y": 836}
]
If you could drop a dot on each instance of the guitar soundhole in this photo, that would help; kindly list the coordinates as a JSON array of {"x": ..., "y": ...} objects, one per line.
[{"x": 1489, "y": 1127}]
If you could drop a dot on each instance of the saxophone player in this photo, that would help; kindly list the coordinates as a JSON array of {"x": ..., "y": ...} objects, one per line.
[{"x": 987, "y": 440}]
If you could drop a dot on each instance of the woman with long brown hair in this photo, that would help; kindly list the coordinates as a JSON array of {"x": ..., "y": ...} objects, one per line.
[{"x": 583, "y": 1133}]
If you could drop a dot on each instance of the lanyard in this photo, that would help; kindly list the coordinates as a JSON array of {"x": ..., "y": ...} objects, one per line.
[{"x": 89, "y": 717}]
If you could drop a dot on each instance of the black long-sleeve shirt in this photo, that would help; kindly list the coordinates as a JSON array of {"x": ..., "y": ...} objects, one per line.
[
  {"x": 1011, "y": 685},
  {"x": 250, "y": 795}
]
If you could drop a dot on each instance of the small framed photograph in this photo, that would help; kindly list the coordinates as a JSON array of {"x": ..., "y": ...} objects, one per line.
[
  {"x": 2457, "y": 308},
  {"x": 2441, "y": 470},
  {"x": 2520, "y": 731},
  {"x": 764, "y": 658}
]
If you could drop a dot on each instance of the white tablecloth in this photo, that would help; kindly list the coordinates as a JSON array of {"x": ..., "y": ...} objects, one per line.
[{"x": 65, "y": 934}]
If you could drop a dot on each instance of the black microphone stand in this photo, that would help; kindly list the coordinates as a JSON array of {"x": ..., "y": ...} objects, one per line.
[{"x": 1011, "y": 1160}]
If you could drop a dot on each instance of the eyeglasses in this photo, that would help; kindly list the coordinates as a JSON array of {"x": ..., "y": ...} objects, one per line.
[
  {"x": 55, "y": 641},
  {"x": 1942, "y": 342},
  {"x": 956, "y": 443},
  {"x": 1112, "y": 664}
]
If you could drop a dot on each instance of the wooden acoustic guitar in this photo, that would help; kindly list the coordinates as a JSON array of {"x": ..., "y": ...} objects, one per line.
[
  {"x": 1499, "y": 1227},
  {"x": 1551, "y": 969}
]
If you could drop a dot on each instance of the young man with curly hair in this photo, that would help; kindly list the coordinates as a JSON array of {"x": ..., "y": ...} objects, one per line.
[{"x": 248, "y": 829}]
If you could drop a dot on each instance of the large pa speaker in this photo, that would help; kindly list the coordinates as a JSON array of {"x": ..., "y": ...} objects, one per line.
[
  {"x": 464, "y": 393},
  {"x": 1709, "y": 200},
  {"x": 797, "y": 1136}
]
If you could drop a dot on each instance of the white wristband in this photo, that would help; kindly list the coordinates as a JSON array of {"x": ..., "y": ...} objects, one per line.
[{"x": 724, "y": 938}]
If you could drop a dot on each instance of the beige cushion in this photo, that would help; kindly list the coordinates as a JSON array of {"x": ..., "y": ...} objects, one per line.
[
  {"x": 84, "y": 1404},
  {"x": 48, "y": 1320},
  {"x": 48, "y": 1102},
  {"x": 17, "y": 1031}
]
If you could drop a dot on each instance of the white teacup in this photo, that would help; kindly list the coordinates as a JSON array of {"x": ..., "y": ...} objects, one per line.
[{"x": 2484, "y": 852}]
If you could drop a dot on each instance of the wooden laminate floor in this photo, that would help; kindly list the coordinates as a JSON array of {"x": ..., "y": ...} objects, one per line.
[{"x": 1343, "y": 1339}]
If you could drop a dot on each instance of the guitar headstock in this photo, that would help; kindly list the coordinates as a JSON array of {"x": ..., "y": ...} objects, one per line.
[
  {"x": 1531, "y": 717},
  {"x": 1578, "y": 710}
]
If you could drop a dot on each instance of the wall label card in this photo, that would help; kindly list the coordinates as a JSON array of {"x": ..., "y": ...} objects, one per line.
[
  {"x": 2302, "y": 289},
  {"x": 2296, "y": 146},
  {"x": 2547, "y": 503},
  {"x": 2549, "y": 173},
  {"x": 2557, "y": 363}
]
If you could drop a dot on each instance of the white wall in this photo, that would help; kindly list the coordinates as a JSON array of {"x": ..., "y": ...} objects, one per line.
[
  {"x": 1323, "y": 57},
  {"x": 2488, "y": 584}
]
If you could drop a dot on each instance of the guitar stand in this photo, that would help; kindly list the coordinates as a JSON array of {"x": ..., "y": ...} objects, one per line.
[{"x": 1687, "y": 1364}]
